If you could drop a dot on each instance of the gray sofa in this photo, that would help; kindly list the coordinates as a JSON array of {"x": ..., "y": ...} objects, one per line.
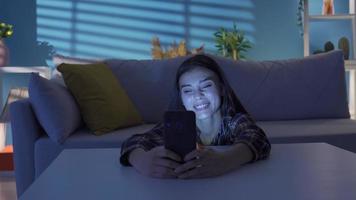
[{"x": 293, "y": 101}]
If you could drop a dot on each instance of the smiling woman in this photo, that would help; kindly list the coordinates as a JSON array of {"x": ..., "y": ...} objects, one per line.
[
  {"x": 201, "y": 87},
  {"x": 200, "y": 93}
]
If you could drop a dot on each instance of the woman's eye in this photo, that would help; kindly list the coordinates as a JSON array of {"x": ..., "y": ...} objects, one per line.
[
  {"x": 187, "y": 91},
  {"x": 206, "y": 86}
]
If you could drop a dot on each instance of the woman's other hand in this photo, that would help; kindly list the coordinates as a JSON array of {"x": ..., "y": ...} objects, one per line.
[
  {"x": 201, "y": 163},
  {"x": 208, "y": 161},
  {"x": 159, "y": 162}
]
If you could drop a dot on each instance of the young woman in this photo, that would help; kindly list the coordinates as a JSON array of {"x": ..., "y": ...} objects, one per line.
[{"x": 200, "y": 87}]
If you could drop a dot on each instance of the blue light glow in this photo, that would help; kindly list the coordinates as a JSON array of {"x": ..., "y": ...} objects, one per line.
[
  {"x": 163, "y": 5},
  {"x": 59, "y": 14},
  {"x": 113, "y": 31},
  {"x": 217, "y": 23},
  {"x": 121, "y": 12},
  {"x": 130, "y": 23},
  {"x": 60, "y": 34},
  {"x": 111, "y": 42},
  {"x": 57, "y": 4},
  {"x": 58, "y": 24},
  {"x": 216, "y": 12},
  {"x": 58, "y": 43},
  {"x": 229, "y": 3},
  {"x": 124, "y": 29}
]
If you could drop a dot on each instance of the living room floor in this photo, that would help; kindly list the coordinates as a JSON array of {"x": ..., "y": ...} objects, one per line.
[{"x": 7, "y": 186}]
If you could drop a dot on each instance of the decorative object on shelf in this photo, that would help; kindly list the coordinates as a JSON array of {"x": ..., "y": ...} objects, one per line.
[
  {"x": 173, "y": 51},
  {"x": 318, "y": 51},
  {"x": 344, "y": 45},
  {"x": 329, "y": 46},
  {"x": 300, "y": 16},
  {"x": 14, "y": 95},
  {"x": 231, "y": 43},
  {"x": 328, "y": 7},
  {"x": 6, "y": 30}
]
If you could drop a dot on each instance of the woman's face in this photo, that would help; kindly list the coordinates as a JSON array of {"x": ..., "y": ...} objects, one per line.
[{"x": 200, "y": 92}]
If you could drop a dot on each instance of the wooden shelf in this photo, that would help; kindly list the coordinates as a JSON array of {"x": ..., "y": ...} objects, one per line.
[
  {"x": 350, "y": 64},
  {"x": 331, "y": 17},
  {"x": 43, "y": 71},
  {"x": 309, "y": 18}
]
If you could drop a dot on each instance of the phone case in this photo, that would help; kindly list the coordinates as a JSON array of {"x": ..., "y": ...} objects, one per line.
[{"x": 180, "y": 131}]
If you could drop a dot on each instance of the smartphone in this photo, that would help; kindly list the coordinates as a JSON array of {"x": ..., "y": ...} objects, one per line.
[{"x": 180, "y": 131}]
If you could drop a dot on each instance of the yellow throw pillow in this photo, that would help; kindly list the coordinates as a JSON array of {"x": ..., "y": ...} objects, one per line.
[{"x": 103, "y": 102}]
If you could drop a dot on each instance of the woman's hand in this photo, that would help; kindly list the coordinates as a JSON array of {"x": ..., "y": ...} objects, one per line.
[
  {"x": 202, "y": 163},
  {"x": 159, "y": 162},
  {"x": 208, "y": 161}
]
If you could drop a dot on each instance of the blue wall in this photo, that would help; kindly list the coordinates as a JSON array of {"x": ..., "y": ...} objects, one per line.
[
  {"x": 124, "y": 29},
  {"x": 24, "y": 50}
]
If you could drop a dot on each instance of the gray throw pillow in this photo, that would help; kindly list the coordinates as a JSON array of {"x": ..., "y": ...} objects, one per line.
[{"x": 55, "y": 108}]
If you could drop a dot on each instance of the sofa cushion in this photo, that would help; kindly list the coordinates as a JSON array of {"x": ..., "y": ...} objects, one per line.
[
  {"x": 308, "y": 88},
  {"x": 149, "y": 83},
  {"x": 55, "y": 108},
  {"x": 46, "y": 150},
  {"x": 103, "y": 103},
  {"x": 58, "y": 59},
  {"x": 338, "y": 132}
]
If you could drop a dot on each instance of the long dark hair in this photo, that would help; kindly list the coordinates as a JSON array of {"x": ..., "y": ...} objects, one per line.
[{"x": 230, "y": 104}]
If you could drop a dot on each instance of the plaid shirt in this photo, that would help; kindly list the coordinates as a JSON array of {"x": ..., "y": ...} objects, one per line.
[{"x": 238, "y": 129}]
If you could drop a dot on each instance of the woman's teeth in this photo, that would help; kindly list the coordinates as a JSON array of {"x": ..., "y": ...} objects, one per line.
[{"x": 201, "y": 107}]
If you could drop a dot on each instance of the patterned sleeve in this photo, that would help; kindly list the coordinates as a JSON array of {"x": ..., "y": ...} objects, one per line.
[
  {"x": 146, "y": 141},
  {"x": 245, "y": 130}
]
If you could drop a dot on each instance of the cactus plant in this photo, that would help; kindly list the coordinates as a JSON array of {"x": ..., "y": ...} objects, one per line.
[{"x": 344, "y": 45}]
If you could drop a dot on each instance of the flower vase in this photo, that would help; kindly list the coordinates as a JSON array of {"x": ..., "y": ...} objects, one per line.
[
  {"x": 4, "y": 53},
  {"x": 328, "y": 7}
]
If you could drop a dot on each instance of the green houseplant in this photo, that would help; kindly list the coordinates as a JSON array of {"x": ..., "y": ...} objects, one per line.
[
  {"x": 6, "y": 30},
  {"x": 231, "y": 44}
]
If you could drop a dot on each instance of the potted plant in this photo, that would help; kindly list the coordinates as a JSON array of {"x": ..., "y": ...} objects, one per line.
[
  {"x": 231, "y": 44},
  {"x": 6, "y": 30},
  {"x": 173, "y": 51}
]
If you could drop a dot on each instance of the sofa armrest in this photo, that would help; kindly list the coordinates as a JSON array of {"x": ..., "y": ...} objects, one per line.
[{"x": 25, "y": 131}]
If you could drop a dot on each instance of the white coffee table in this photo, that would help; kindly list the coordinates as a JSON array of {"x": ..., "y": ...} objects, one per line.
[{"x": 316, "y": 171}]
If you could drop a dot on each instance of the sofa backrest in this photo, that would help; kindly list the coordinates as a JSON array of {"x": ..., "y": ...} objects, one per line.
[
  {"x": 148, "y": 83},
  {"x": 312, "y": 87}
]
